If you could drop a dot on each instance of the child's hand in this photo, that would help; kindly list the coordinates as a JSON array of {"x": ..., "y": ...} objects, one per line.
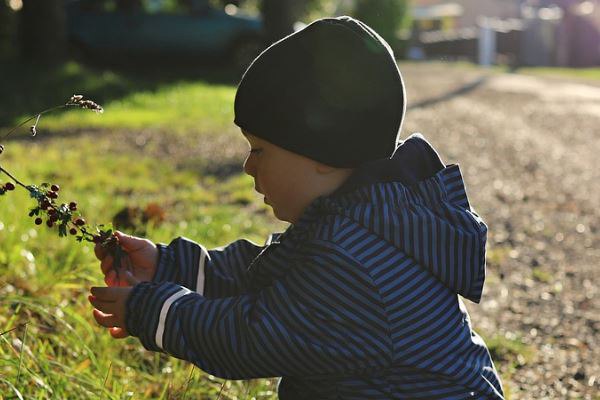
[
  {"x": 110, "y": 304},
  {"x": 141, "y": 254}
]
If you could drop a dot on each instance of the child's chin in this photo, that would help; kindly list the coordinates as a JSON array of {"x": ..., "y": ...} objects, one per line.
[{"x": 279, "y": 215}]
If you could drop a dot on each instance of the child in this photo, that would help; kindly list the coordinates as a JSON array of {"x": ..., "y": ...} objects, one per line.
[{"x": 358, "y": 298}]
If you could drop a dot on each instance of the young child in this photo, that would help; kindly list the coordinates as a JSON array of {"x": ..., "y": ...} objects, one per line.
[{"x": 358, "y": 298}]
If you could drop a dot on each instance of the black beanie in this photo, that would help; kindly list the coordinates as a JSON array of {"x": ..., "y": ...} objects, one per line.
[{"x": 331, "y": 92}]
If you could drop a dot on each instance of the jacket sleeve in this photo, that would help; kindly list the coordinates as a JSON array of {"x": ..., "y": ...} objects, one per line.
[
  {"x": 220, "y": 272},
  {"x": 324, "y": 316}
]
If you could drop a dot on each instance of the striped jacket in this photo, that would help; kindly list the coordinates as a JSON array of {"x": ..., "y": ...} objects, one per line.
[{"x": 357, "y": 300}]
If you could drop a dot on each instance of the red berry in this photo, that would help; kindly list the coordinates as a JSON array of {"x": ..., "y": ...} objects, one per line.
[
  {"x": 73, "y": 231},
  {"x": 55, "y": 188},
  {"x": 44, "y": 204},
  {"x": 51, "y": 211},
  {"x": 79, "y": 222},
  {"x": 52, "y": 195},
  {"x": 38, "y": 221},
  {"x": 49, "y": 223},
  {"x": 9, "y": 186},
  {"x": 53, "y": 218},
  {"x": 72, "y": 206}
]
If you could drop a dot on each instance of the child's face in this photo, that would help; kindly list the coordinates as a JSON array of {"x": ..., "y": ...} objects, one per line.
[{"x": 289, "y": 181}]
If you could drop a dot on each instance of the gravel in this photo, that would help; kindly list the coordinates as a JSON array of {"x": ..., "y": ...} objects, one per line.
[{"x": 528, "y": 149}]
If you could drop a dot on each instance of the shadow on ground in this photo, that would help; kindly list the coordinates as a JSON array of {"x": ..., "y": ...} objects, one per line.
[{"x": 464, "y": 89}]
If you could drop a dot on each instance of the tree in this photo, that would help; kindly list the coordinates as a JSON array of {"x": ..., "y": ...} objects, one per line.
[
  {"x": 42, "y": 30},
  {"x": 385, "y": 16},
  {"x": 6, "y": 27},
  {"x": 279, "y": 17}
]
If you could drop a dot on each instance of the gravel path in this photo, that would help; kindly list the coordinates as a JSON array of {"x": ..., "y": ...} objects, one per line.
[{"x": 528, "y": 148}]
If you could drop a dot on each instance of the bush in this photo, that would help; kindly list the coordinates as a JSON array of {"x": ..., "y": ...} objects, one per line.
[{"x": 387, "y": 17}]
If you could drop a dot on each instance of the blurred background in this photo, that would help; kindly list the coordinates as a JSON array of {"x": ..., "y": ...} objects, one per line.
[
  {"x": 514, "y": 32},
  {"x": 507, "y": 89}
]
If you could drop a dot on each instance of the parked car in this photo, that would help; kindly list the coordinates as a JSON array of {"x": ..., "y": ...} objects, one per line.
[{"x": 187, "y": 29}]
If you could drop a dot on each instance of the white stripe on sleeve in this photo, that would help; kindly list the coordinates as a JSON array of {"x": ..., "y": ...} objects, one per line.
[
  {"x": 201, "y": 265},
  {"x": 163, "y": 315}
]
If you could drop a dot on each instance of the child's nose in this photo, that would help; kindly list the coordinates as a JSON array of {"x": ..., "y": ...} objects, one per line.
[{"x": 249, "y": 166}]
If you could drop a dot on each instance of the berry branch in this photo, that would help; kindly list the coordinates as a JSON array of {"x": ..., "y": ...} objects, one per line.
[
  {"x": 65, "y": 217},
  {"x": 76, "y": 100}
]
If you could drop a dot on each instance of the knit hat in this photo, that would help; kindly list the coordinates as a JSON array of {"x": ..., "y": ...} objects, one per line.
[{"x": 331, "y": 92}]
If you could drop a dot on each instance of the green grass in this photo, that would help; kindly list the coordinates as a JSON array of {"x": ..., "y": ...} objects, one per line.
[
  {"x": 45, "y": 280},
  {"x": 510, "y": 353},
  {"x": 172, "y": 106},
  {"x": 582, "y": 73},
  {"x": 589, "y": 74},
  {"x": 131, "y": 95},
  {"x": 167, "y": 142}
]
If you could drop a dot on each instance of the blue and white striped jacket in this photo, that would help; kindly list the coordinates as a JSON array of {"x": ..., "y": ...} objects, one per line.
[{"x": 357, "y": 300}]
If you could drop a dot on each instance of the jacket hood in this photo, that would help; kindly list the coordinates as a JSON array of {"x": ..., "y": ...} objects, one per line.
[{"x": 420, "y": 205}]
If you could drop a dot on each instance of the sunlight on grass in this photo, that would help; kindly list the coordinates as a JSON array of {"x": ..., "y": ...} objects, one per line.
[
  {"x": 56, "y": 350},
  {"x": 180, "y": 108},
  {"x": 510, "y": 353}
]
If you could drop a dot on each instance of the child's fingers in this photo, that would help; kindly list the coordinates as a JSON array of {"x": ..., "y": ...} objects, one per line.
[
  {"x": 111, "y": 278},
  {"x": 129, "y": 243},
  {"x": 107, "y": 307},
  {"x": 106, "y": 263},
  {"x": 118, "y": 333},
  {"x": 99, "y": 251},
  {"x": 126, "y": 279},
  {"x": 106, "y": 320},
  {"x": 132, "y": 280},
  {"x": 108, "y": 293}
]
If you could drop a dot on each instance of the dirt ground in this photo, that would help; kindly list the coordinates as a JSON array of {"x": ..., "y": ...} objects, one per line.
[{"x": 528, "y": 148}]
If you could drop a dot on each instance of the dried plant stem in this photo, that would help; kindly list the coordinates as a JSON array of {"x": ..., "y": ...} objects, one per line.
[
  {"x": 38, "y": 115},
  {"x": 107, "y": 373},
  {"x": 247, "y": 390},
  {"x": 21, "y": 355},
  {"x": 188, "y": 382},
  {"x": 221, "y": 390},
  {"x": 12, "y": 329}
]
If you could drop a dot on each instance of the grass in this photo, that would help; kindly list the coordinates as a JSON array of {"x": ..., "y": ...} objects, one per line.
[
  {"x": 45, "y": 279},
  {"x": 510, "y": 353},
  {"x": 173, "y": 106},
  {"x": 172, "y": 89},
  {"x": 584, "y": 74},
  {"x": 164, "y": 140},
  {"x": 581, "y": 73},
  {"x": 52, "y": 348}
]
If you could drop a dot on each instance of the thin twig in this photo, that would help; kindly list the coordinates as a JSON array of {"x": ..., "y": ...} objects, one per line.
[
  {"x": 21, "y": 355},
  {"x": 247, "y": 390},
  {"x": 221, "y": 391},
  {"x": 13, "y": 178},
  {"x": 36, "y": 116},
  {"x": 12, "y": 329},
  {"x": 188, "y": 382}
]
